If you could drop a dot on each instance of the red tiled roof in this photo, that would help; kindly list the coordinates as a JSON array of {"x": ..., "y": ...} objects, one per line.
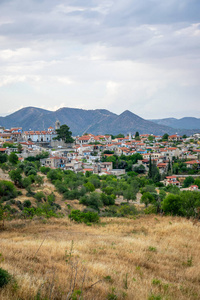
[{"x": 192, "y": 162}]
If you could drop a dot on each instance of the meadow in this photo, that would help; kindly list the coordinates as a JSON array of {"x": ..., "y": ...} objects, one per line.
[{"x": 145, "y": 257}]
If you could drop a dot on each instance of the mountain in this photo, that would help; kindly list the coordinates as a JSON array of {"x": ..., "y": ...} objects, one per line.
[
  {"x": 40, "y": 119},
  {"x": 98, "y": 121},
  {"x": 128, "y": 122},
  {"x": 184, "y": 123}
]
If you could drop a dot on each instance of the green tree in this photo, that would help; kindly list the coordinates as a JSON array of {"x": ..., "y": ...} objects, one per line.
[
  {"x": 165, "y": 137},
  {"x": 172, "y": 204},
  {"x": 147, "y": 198},
  {"x": 188, "y": 181},
  {"x": 137, "y": 134},
  {"x": 151, "y": 138},
  {"x": 120, "y": 135},
  {"x": 197, "y": 182},
  {"x": 64, "y": 134},
  {"x": 3, "y": 158},
  {"x": 153, "y": 173},
  {"x": 19, "y": 148},
  {"x": 13, "y": 158},
  {"x": 15, "y": 175}
]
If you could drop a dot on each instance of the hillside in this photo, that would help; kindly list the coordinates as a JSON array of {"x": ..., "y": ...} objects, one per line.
[
  {"x": 98, "y": 121},
  {"x": 142, "y": 258},
  {"x": 128, "y": 122},
  {"x": 183, "y": 123}
]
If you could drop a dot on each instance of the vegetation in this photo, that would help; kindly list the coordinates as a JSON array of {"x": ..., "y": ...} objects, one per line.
[
  {"x": 142, "y": 256},
  {"x": 133, "y": 235},
  {"x": 86, "y": 217},
  {"x": 64, "y": 134},
  {"x": 5, "y": 277}
]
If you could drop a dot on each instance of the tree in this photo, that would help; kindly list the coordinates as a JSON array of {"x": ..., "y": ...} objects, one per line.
[
  {"x": 137, "y": 136},
  {"x": 197, "y": 182},
  {"x": 151, "y": 138},
  {"x": 188, "y": 181},
  {"x": 19, "y": 148},
  {"x": 147, "y": 198},
  {"x": 16, "y": 176},
  {"x": 120, "y": 135},
  {"x": 64, "y": 134},
  {"x": 3, "y": 158},
  {"x": 165, "y": 137},
  {"x": 172, "y": 204},
  {"x": 13, "y": 158},
  {"x": 153, "y": 173}
]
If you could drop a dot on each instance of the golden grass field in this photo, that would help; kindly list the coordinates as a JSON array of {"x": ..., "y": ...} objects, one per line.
[{"x": 150, "y": 257}]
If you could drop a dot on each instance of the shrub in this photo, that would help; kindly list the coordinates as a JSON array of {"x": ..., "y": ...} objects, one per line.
[
  {"x": 7, "y": 190},
  {"x": 93, "y": 200},
  {"x": 107, "y": 199},
  {"x": 39, "y": 196},
  {"x": 27, "y": 203},
  {"x": 88, "y": 217},
  {"x": 172, "y": 204},
  {"x": 126, "y": 210},
  {"x": 89, "y": 186},
  {"x": 54, "y": 175},
  {"x": 151, "y": 209},
  {"x": 44, "y": 169},
  {"x": 5, "y": 277}
]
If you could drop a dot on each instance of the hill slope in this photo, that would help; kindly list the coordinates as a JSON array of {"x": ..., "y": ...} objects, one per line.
[
  {"x": 129, "y": 122},
  {"x": 184, "y": 123},
  {"x": 98, "y": 121}
]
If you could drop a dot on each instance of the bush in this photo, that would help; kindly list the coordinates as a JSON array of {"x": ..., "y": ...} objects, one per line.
[
  {"x": 40, "y": 196},
  {"x": 107, "y": 199},
  {"x": 126, "y": 210},
  {"x": 151, "y": 209},
  {"x": 27, "y": 203},
  {"x": 54, "y": 175},
  {"x": 93, "y": 200},
  {"x": 44, "y": 169},
  {"x": 5, "y": 277},
  {"x": 89, "y": 186},
  {"x": 86, "y": 217},
  {"x": 7, "y": 190}
]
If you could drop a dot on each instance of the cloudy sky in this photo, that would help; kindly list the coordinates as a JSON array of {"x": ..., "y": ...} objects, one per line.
[{"x": 143, "y": 56}]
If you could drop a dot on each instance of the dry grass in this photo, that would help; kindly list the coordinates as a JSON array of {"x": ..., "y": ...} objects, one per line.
[{"x": 132, "y": 259}]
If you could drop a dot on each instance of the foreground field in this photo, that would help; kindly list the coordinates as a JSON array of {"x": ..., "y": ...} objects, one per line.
[{"x": 145, "y": 258}]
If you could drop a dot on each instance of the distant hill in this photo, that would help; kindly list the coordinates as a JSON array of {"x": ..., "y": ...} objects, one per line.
[
  {"x": 128, "y": 122},
  {"x": 184, "y": 123},
  {"x": 98, "y": 121}
]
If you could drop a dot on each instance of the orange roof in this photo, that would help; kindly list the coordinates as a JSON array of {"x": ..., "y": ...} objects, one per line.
[
  {"x": 172, "y": 148},
  {"x": 84, "y": 138},
  {"x": 192, "y": 162}
]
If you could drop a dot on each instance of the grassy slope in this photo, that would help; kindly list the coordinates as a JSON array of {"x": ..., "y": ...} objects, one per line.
[{"x": 115, "y": 249}]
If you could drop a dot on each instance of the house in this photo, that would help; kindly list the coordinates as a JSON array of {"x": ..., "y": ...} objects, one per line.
[
  {"x": 193, "y": 164},
  {"x": 171, "y": 180},
  {"x": 162, "y": 167},
  {"x": 174, "y": 138},
  {"x": 193, "y": 188}
]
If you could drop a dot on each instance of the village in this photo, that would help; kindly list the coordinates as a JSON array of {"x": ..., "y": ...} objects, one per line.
[{"x": 97, "y": 153}]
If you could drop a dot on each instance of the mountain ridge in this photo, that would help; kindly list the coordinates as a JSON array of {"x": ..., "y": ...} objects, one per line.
[
  {"x": 182, "y": 123},
  {"x": 97, "y": 121}
]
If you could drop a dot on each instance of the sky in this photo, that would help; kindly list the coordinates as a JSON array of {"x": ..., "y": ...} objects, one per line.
[{"x": 142, "y": 56}]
